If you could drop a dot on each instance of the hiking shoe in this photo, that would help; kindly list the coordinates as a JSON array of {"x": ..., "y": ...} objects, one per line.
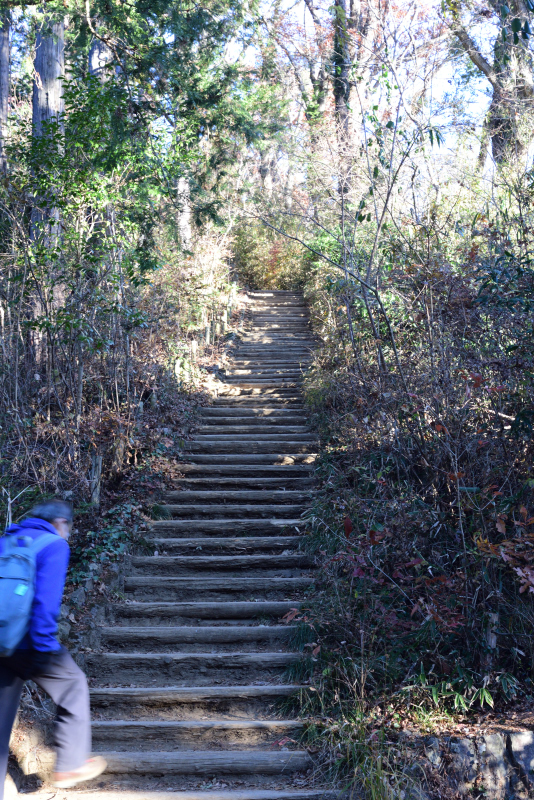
[{"x": 92, "y": 768}]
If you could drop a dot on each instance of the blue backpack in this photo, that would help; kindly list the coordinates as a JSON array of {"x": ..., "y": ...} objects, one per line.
[{"x": 17, "y": 586}]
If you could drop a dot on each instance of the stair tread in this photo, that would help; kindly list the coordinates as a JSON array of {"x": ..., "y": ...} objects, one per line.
[
  {"x": 234, "y": 658},
  {"x": 240, "y": 480},
  {"x": 258, "y": 458},
  {"x": 203, "y": 634},
  {"x": 193, "y": 693},
  {"x": 245, "y": 560},
  {"x": 226, "y": 522},
  {"x": 278, "y": 469},
  {"x": 252, "y": 429},
  {"x": 240, "y": 609},
  {"x": 203, "y": 581},
  {"x": 272, "y": 434},
  {"x": 260, "y": 724},
  {"x": 218, "y": 507},
  {"x": 214, "y": 794},
  {"x": 205, "y": 761},
  {"x": 241, "y": 541},
  {"x": 187, "y": 494}
]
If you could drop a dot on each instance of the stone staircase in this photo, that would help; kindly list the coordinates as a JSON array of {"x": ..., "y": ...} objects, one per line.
[{"x": 187, "y": 689}]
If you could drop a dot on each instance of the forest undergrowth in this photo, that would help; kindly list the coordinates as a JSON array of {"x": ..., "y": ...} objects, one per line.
[{"x": 423, "y": 522}]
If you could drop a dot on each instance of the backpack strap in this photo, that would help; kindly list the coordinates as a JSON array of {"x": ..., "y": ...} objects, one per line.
[
  {"x": 43, "y": 541},
  {"x": 16, "y": 541}
]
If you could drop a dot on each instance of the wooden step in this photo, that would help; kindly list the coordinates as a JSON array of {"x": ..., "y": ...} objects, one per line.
[
  {"x": 122, "y": 636},
  {"x": 298, "y": 366},
  {"x": 280, "y": 384},
  {"x": 291, "y": 431},
  {"x": 263, "y": 411},
  {"x": 251, "y": 426},
  {"x": 286, "y": 316},
  {"x": 216, "y": 496},
  {"x": 218, "y": 428},
  {"x": 248, "y": 446},
  {"x": 240, "y": 483},
  {"x": 263, "y": 350},
  {"x": 260, "y": 350},
  {"x": 203, "y": 544},
  {"x": 300, "y": 330},
  {"x": 203, "y": 762},
  {"x": 188, "y": 694},
  {"x": 218, "y": 510},
  {"x": 263, "y": 374},
  {"x": 200, "y": 634},
  {"x": 281, "y": 362},
  {"x": 213, "y": 794},
  {"x": 192, "y": 703},
  {"x": 277, "y": 327},
  {"x": 258, "y": 390},
  {"x": 216, "y": 588},
  {"x": 271, "y": 437},
  {"x": 261, "y": 378},
  {"x": 270, "y": 335},
  {"x": 256, "y": 398},
  {"x": 198, "y": 610},
  {"x": 264, "y": 370},
  {"x": 225, "y": 526},
  {"x": 188, "y": 669},
  {"x": 245, "y": 399},
  {"x": 257, "y": 468},
  {"x": 200, "y": 735},
  {"x": 285, "y": 459},
  {"x": 177, "y": 565},
  {"x": 276, "y": 331},
  {"x": 281, "y": 320}
]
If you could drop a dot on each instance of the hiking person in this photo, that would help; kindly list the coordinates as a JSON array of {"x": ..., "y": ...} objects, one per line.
[{"x": 41, "y": 539}]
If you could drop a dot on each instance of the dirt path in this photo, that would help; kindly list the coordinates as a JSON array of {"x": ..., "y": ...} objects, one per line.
[{"x": 194, "y": 665}]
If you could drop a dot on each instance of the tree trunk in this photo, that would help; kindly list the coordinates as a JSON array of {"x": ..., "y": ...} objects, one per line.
[
  {"x": 5, "y": 62},
  {"x": 484, "y": 144},
  {"x": 47, "y": 107},
  {"x": 342, "y": 63},
  {"x": 100, "y": 57},
  {"x": 49, "y": 70},
  {"x": 266, "y": 170},
  {"x": 510, "y": 119},
  {"x": 183, "y": 217}
]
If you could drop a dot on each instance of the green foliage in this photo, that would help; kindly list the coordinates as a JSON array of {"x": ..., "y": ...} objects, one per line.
[{"x": 120, "y": 530}]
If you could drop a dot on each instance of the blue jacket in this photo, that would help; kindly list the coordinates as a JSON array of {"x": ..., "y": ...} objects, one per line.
[{"x": 51, "y": 570}]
